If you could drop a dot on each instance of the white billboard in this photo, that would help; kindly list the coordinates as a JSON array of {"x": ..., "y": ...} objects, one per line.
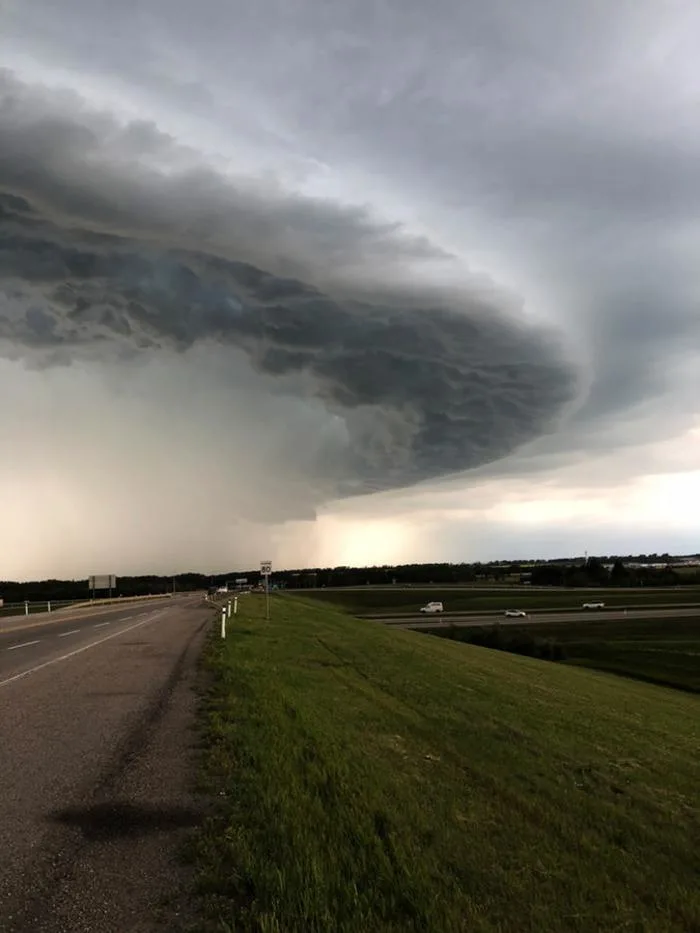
[{"x": 103, "y": 581}]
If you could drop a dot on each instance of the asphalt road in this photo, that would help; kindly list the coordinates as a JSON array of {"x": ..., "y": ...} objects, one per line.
[
  {"x": 96, "y": 713},
  {"x": 428, "y": 621},
  {"x": 29, "y": 640}
]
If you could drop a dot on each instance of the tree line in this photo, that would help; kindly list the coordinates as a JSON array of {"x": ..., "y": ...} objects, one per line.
[{"x": 556, "y": 573}]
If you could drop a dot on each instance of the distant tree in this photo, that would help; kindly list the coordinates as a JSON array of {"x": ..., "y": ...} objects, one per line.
[
  {"x": 596, "y": 572},
  {"x": 547, "y": 575},
  {"x": 576, "y": 576},
  {"x": 620, "y": 575}
]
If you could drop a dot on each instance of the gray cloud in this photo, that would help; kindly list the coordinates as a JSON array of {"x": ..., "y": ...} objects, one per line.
[
  {"x": 422, "y": 389},
  {"x": 133, "y": 179},
  {"x": 556, "y": 147},
  {"x": 116, "y": 239}
]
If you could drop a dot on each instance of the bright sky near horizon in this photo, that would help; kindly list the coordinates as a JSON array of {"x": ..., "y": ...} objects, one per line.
[{"x": 346, "y": 283}]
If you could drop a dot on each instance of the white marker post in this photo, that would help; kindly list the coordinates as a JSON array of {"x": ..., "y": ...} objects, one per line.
[
  {"x": 235, "y": 605},
  {"x": 26, "y": 608},
  {"x": 223, "y": 623},
  {"x": 228, "y": 610},
  {"x": 266, "y": 570},
  {"x": 48, "y": 606}
]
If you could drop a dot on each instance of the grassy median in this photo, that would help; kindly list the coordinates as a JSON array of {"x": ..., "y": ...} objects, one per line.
[{"x": 368, "y": 779}]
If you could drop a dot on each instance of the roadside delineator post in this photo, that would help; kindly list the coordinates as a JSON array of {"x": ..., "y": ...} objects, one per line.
[
  {"x": 48, "y": 606},
  {"x": 228, "y": 610},
  {"x": 223, "y": 622},
  {"x": 26, "y": 608},
  {"x": 235, "y": 605}
]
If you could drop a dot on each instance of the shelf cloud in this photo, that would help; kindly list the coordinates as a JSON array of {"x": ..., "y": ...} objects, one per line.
[
  {"x": 339, "y": 261},
  {"x": 101, "y": 257}
]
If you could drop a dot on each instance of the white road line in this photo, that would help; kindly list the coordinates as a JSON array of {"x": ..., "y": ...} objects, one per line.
[
  {"x": 25, "y": 644},
  {"x": 74, "y": 631},
  {"x": 100, "y": 624},
  {"x": 71, "y": 654}
]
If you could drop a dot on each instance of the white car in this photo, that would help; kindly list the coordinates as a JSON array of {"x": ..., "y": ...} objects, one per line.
[
  {"x": 518, "y": 613},
  {"x": 594, "y": 605},
  {"x": 432, "y": 607}
]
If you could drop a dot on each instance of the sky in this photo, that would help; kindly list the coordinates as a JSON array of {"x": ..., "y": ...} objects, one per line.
[{"x": 339, "y": 283}]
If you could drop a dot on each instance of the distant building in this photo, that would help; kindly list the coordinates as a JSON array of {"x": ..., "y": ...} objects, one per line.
[{"x": 635, "y": 565}]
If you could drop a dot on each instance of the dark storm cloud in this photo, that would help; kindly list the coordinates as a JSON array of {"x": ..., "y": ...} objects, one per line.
[
  {"x": 101, "y": 253},
  {"x": 424, "y": 390},
  {"x": 86, "y": 166}
]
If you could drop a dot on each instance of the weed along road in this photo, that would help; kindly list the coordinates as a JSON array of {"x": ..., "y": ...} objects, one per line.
[{"x": 95, "y": 717}]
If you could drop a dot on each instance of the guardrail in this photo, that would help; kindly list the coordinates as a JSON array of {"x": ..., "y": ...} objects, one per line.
[
  {"x": 29, "y": 607},
  {"x": 119, "y": 600}
]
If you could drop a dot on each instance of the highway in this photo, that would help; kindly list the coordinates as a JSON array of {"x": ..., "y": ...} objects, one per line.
[
  {"x": 38, "y": 638},
  {"x": 601, "y": 615},
  {"x": 96, "y": 710}
]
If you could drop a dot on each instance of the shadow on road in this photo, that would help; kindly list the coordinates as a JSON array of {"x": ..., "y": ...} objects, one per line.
[{"x": 114, "y": 819}]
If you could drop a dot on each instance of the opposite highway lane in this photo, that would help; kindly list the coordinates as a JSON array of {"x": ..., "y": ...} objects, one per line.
[
  {"x": 605, "y": 615},
  {"x": 95, "y": 735},
  {"x": 53, "y": 634}
]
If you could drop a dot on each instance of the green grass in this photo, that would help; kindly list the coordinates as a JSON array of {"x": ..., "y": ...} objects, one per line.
[
  {"x": 662, "y": 651},
  {"x": 371, "y": 600},
  {"x": 369, "y": 779}
]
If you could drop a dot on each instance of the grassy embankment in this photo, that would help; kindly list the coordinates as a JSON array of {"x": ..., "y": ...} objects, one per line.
[
  {"x": 370, "y": 779},
  {"x": 400, "y": 601},
  {"x": 662, "y": 651}
]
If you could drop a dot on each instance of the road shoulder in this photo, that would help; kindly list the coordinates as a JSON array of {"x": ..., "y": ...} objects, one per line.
[{"x": 113, "y": 853}]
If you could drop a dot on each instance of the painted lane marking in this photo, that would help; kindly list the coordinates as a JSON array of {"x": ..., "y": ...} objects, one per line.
[
  {"x": 74, "y": 631},
  {"x": 25, "y": 644},
  {"x": 72, "y": 654},
  {"x": 80, "y": 613}
]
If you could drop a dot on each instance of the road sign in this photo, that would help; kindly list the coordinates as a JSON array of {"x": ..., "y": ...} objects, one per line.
[
  {"x": 104, "y": 581},
  {"x": 266, "y": 570}
]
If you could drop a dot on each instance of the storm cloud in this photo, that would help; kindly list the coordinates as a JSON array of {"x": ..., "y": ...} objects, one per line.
[
  {"x": 443, "y": 255},
  {"x": 96, "y": 259}
]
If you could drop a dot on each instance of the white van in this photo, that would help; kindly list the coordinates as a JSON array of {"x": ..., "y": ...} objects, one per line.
[{"x": 432, "y": 607}]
